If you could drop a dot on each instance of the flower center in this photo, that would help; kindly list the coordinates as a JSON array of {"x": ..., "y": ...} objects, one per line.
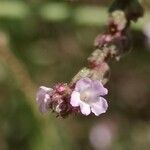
[{"x": 86, "y": 95}]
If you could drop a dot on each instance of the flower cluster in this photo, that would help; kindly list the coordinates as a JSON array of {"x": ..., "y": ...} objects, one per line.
[
  {"x": 116, "y": 34},
  {"x": 85, "y": 97},
  {"x": 55, "y": 99},
  {"x": 85, "y": 92}
]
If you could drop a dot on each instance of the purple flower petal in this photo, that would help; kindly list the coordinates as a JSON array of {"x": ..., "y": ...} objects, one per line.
[
  {"x": 75, "y": 99},
  {"x": 98, "y": 88},
  {"x": 82, "y": 84},
  {"x": 43, "y": 98},
  {"x": 85, "y": 108},
  {"x": 99, "y": 107}
]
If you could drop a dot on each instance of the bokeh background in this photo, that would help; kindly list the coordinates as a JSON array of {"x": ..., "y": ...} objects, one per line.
[{"x": 43, "y": 42}]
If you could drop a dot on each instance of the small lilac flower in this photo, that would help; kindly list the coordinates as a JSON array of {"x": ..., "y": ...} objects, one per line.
[
  {"x": 87, "y": 94},
  {"x": 43, "y": 98}
]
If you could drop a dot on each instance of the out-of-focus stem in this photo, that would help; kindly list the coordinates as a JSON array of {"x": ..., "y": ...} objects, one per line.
[{"x": 19, "y": 71}]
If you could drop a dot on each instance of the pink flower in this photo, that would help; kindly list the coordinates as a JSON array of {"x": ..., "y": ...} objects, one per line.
[
  {"x": 43, "y": 98},
  {"x": 87, "y": 95}
]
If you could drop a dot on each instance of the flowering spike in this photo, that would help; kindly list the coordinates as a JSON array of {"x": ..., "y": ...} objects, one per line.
[{"x": 84, "y": 94}]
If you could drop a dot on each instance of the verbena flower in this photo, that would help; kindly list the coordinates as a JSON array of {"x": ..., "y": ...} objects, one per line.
[
  {"x": 87, "y": 95},
  {"x": 43, "y": 98}
]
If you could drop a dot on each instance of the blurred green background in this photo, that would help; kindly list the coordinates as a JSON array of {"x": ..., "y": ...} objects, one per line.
[{"x": 43, "y": 42}]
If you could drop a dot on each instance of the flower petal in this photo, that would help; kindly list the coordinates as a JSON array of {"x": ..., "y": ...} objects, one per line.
[
  {"x": 85, "y": 108},
  {"x": 43, "y": 98},
  {"x": 98, "y": 88},
  {"x": 99, "y": 107},
  {"x": 75, "y": 99},
  {"x": 83, "y": 84}
]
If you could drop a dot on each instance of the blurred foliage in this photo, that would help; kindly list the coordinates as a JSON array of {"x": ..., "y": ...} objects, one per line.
[{"x": 44, "y": 42}]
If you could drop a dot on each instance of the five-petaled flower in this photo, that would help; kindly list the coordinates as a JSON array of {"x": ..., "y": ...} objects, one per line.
[{"x": 87, "y": 95}]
